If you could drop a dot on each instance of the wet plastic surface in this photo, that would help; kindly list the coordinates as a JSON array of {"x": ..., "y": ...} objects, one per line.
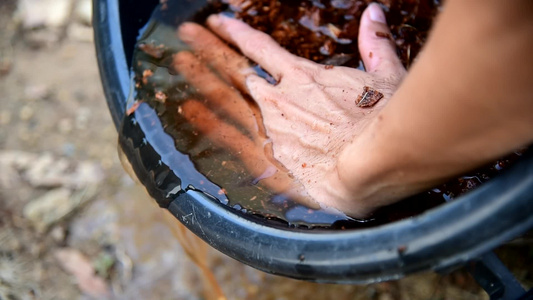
[{"x": 442, "y": 238}]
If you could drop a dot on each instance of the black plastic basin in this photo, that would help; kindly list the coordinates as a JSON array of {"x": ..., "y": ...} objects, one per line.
[{"x": 440, "y": 239}]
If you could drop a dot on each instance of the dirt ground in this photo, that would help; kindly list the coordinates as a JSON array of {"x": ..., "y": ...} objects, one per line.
[{"x": 73, "y": 225}]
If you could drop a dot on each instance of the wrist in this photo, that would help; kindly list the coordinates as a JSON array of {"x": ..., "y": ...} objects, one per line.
[{"x": 364, "y": 171}]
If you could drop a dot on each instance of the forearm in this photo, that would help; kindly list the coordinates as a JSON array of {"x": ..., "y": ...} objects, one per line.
[{"x": 467, "y": 100}]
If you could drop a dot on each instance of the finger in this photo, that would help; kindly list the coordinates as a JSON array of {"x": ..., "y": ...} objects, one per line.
[
  {"x": 216, "y": 92},
  {"x": 266, "y": 96},
  {"x": 232, "y": 66},
  {"x": 250, "y": 153},
  {"x": 259, "y": 89},
  {"x": 376, "y": 46},
  {"x": 223, "y": 134},
  {"x": 256, "y": 45}
]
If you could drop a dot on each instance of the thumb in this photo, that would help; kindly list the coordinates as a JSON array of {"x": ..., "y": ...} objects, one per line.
[{"x": 376, "y": 46}]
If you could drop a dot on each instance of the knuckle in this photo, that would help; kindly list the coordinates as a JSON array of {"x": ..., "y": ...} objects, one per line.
[
  {"x": 252, "y": 44},
  {"x": 302, "y": 73}
]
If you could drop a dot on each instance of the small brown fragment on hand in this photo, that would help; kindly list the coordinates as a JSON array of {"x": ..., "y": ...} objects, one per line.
[
  {"x": 328, "y": 67},
  {"x": 368, "y": 98},
  {"x": 383, "y": 35}
]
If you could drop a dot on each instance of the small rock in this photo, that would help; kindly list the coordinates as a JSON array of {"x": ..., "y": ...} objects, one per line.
[
  {"x": 18, "y": 159},
  {"x": 84, "y": 11},
  {"x": 86, "y": 174},
  {"x": 37, "y": 92},
  {"x": 26, "y": 113},
  {"x": 54, "y": 205},
  {"x": 44, "y": 13},
  {"x": 58, "y": 234},
  {"x": 11, "y": 162},
  {"x": 47, "y": 171},
  {"x": 44, "y": 21},
  {"x": 49, "y": 208}
]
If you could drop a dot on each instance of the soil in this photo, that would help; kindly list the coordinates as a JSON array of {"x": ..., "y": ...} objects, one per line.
[{"x": 73, "y": 225}]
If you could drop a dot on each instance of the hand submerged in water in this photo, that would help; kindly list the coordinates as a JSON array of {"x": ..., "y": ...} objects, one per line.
[
  {"x": 224, "y": 115},
  {"x": 312, "y": 111}
]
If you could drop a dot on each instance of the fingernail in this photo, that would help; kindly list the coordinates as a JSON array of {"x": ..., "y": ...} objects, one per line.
[
  {"x": 186, "y": 31},
  {"x": 376, "y": 13},
  {"x": 215, "y": 20},
  {"x": 185, "y": 27}
]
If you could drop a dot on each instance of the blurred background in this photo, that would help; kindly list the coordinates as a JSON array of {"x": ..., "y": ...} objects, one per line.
[{"x": 74, "y": 225}]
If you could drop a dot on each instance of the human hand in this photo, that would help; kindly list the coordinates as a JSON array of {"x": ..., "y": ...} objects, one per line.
[
  {"x": 310, "y": 114},
  {"x": 225, "y": 117}
]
